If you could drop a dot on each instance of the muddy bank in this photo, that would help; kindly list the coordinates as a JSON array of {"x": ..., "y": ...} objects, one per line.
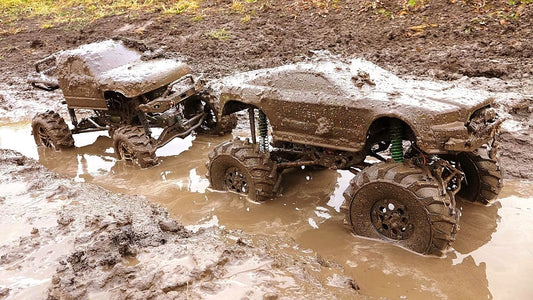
[
  {"x": 445, "y": 39},
  {"x": 71, "y": 240}
]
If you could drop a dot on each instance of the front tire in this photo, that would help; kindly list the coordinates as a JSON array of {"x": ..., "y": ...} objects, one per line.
[
  {"x": 213, "y": 125},
  {"x": 238, "y": 166},
  {"x": 132, "y": 144},
  {"x": 50, "y": 130},
  {"x": 402, "y": 204},
  {"x": 483, "y": 177}
]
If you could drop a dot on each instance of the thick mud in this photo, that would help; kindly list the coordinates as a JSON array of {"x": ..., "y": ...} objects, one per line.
[
  {"x": 69, "y": 240},
  {"x": 304, "y": 221},
  {"x": 67, "y": 236}
]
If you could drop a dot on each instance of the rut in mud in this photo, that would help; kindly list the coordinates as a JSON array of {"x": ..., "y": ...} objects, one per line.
[
  {"x": 81, "y": 241},
  {"x": 304, "y": 220}
]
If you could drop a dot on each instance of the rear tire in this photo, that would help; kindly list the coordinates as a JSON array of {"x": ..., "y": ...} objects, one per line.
[
  {"x": 238, "y": 166},
  {"x": 50, "y": 130},
  {"x": 132, "y": 144},
  {"x": 402, "y": 204}
]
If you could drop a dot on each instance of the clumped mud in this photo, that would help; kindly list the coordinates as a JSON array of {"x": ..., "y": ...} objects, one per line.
[
  {"x": 62, "y": 239},
  {"x": 82, "y": 241},
  {"x": 516, "y": 139}
]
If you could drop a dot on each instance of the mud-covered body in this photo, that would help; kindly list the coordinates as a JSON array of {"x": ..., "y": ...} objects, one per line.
[
  {"x": 130, "y": 90},
  {"x": 87, "y": 73},
  {"x": 338, "y": 106},
  {"x": 434, "y": 141}
]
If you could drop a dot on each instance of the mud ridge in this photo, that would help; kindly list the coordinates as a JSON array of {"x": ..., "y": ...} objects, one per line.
[{"x": 82, "y": 241}]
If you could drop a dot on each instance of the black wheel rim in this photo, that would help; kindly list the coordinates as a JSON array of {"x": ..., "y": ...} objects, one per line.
[
  {"x": 236, "y": 181},
  {"x": 391, "y": 219},
  {"x": 44, "y": 137}
]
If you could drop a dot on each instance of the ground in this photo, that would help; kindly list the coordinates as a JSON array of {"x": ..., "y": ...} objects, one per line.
[
  {"x": 87, "y": 242},
  {"x": 479, "y": 44}
]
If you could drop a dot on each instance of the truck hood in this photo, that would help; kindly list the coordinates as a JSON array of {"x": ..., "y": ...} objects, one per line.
[{"x": 140, "y": 77}]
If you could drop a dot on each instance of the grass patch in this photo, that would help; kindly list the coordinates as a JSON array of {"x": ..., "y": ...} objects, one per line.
[
  {"x": 246, "y": 19},
  {"x": 221, "y": 34},
  {"x": 182, "y": 6},
  {"x": 53, "y": 12}
]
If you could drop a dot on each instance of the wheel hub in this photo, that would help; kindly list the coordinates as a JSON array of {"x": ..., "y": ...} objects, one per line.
[
  {"x": 391, "y": 219},
  {"x": 236, "y": 181}
]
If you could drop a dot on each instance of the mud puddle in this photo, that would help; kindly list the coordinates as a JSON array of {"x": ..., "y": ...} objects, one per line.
[{"x": 490, "y": 259}]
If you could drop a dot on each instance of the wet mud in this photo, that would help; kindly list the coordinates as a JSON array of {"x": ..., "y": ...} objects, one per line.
[
  {"x": 304, "y": 221},
  {"x": 96, "y": 230},
  {"x": 67, "y": 240}
]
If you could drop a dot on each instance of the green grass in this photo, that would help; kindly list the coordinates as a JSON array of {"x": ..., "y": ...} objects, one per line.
[
  {"x": 51, "y": 13},
  {"x": 181, "y": 6},
  {"x": 62, "y": 11},
  {"x": 221, "y": 34}
]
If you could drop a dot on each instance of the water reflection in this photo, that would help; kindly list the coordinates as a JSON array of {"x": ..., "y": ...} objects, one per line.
[{"x": 477, "y": 224}]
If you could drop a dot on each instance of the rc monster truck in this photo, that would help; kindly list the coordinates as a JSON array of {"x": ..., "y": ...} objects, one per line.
[
  {"x": 431, "y": 141},
  {"x": 127, "y": 90}
]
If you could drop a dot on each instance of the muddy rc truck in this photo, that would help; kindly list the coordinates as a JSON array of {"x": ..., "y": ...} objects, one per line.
[
  {"x": 126, "y": 89},
  {"x": 431, "y": 142}
]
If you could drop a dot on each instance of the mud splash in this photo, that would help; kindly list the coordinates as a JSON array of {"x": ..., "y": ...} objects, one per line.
[{"x": 490, "y": 239}]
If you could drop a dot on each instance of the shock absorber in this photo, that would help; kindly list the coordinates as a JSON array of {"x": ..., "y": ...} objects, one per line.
[
  {"x": 263, "y": 131},
  {"x": 396, "y": 140}
]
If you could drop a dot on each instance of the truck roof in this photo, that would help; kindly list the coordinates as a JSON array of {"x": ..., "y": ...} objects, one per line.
[{"x": 103, "y": 56}]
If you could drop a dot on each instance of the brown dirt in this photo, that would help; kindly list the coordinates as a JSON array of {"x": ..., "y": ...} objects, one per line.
[
  {"x": 99, "y": 248},
  {"x": 439, "y": 39},
  {"x": 83, "y": 241}
]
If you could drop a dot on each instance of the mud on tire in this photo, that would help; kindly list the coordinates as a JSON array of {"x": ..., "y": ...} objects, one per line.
[
  {"x": 483, "y": 177},
  {"x": 403, "y": 204},
  {"x": 214, "y": 125},
  {"x": 224, "y": 126},
  {"x": 132, "y": 144},
  {"x": 238, "y": 166},
  {"x": 50, "y": 130}
]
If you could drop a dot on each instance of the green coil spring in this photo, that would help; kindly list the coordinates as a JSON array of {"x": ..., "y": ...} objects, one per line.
[
  {"x": 396, "y": 141},
  {"x": 263, "y": 131}
]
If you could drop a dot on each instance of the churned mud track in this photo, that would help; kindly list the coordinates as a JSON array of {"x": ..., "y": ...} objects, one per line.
[
  {"x": 79, "y": 240},
  {"x": 444, "y": 39},
  {"x": 77, "y": 248}
]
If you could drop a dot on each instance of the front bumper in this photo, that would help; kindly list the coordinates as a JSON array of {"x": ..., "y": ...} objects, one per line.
[
  {"x": 176, "y": 92},
  {"x": 458, "y": 136},
  {"x": 481, "y": 130}
]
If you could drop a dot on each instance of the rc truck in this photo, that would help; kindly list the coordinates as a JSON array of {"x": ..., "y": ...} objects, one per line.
[
  {"x": 126, "y": 88},
  {"x": 413, "y": 145}
]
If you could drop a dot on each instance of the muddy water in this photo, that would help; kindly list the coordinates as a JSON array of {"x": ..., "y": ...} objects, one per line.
[{"x": 491, "y": 256}]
